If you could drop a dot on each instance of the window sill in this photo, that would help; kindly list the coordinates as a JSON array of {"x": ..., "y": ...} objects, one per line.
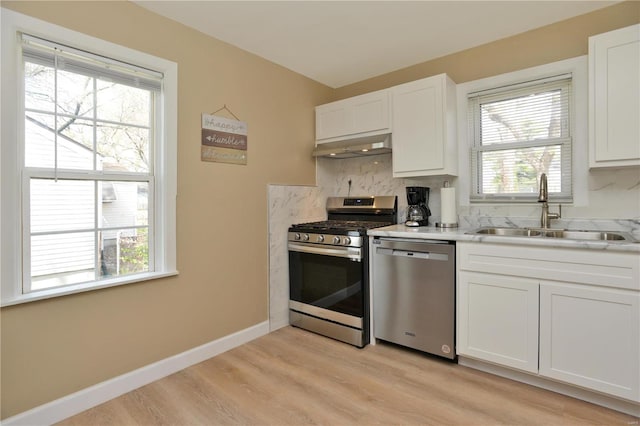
[{"x": 81, "y": 288}]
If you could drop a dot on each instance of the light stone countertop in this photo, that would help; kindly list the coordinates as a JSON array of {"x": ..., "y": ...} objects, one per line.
[{"x": 460, "y": 234}]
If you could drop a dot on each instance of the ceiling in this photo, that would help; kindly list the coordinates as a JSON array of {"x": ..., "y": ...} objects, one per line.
[{"x": 342, "y": 42}]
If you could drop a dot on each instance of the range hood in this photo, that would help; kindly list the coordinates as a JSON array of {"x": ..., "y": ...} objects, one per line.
[{"x": 359, "y": 147}]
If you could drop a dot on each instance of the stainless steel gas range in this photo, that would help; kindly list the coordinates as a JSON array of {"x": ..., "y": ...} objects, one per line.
[{"x": 329, "y": 267}]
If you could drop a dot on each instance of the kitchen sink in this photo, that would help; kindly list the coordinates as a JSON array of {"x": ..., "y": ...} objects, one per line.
[
  {"x": 567, "y": 234},
  {"x": 587, "y": 235},
  {"x": 508, "y": 232}
]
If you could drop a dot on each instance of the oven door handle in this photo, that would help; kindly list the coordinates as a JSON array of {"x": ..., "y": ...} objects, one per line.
[{"x": 353, "y": 253}]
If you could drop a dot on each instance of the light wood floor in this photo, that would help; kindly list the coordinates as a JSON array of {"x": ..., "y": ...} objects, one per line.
[{"x": 293, "y": 377}]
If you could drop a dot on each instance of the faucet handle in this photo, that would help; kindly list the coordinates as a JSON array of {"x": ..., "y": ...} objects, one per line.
[{"x": 556, "y": 215}]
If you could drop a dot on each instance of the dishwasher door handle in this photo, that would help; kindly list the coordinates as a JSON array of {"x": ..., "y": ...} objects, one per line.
[{"x": 425, "y": 255}]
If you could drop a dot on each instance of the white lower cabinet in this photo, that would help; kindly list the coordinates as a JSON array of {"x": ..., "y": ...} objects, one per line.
[
  {"x": 571, "y": 315},
  {"x": 499, "y": 319},
  {"x": 590, "y": 337}
]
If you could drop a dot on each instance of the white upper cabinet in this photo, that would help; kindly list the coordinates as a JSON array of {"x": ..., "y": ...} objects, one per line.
[
  {"x": 359, "y": 116},
  {"x": 424, "y": 136},
  {"x": 614, "y": 98},
  {"x": 420, "y": 115}
]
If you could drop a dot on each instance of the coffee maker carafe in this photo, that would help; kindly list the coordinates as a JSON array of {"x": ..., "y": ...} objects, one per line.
[{"x": 418, "y": 211}]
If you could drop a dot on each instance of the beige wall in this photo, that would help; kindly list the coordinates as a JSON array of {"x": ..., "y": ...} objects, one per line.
[
  {"x": 563, "y": 40},
  {"x": 55, "y": 347}
]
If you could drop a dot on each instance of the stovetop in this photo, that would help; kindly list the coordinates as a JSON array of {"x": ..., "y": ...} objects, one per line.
[
  {"x": 350, "y": 216},
  {"x": 338, "y": 226}
]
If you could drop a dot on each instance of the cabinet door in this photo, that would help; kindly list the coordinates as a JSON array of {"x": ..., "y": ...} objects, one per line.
[
  {"x": 418, "y": 127},
  {"x": 423, "y": 114},
  {"x": 333, "y": 120},
  {"x": 371, "y": 112},
  {"x": 590, "y": 337},
  {"x": 498, "y": 319},
  {"x": 614, "y": 98},
  {"x": 363, "y": 115}
]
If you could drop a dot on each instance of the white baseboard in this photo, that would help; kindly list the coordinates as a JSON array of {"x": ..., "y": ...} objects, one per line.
[
  {"x": 277, "y": 323},
  {"x": 624, "y": 406},
  {"x": 77, "y": 402}
]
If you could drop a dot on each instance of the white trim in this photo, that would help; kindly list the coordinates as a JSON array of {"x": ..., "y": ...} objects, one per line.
[
  {"x": 83, "y": 287},
  {"x": 477, "y": 101},
  {"x": 519, "y": 86},
  {"x": 276, "y": 324},
  {"x": 163, "y": 216},
  {"x": 623, "y": 406},
  {"x": 578, "y": 68},
  {"x": 70, "y": 405}
]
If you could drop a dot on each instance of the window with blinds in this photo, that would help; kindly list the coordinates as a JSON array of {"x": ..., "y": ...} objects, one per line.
[
  {"x": 518, "y": 133},
  {"x": 88, "y": 174}
]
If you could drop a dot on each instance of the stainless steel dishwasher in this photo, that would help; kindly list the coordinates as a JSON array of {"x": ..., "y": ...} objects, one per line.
[{"x": 414, "y": 294}]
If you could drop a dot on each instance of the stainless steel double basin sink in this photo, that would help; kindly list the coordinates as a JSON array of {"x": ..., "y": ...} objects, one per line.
[{"x": 556, "y": 233}]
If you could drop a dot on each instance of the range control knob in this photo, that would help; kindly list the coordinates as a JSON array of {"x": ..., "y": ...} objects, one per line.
[
  {"x": 297, "y": 237},
  {"x": 336, "y": 240},
  {"x": 320, "y": 238},
  {"x": 346, "y": 241},
  {"x": 305, "y": 237}
]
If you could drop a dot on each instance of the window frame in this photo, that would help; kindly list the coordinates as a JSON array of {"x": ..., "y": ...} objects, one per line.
[
  {"x": 163, "y": 181},
  {"x": 578, "y": 67},
  {"x": 563, "y": 82}
]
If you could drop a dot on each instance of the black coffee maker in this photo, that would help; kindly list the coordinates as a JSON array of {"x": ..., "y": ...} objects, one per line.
[{"x": 418, "y": 211}]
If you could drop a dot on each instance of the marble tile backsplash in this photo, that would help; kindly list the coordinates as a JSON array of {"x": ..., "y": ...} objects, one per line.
[
  {"x": 373, "y": 176},
  {"x": 287, "y": 205},
  {"x": 606, "y": 194},
  {"x": 608, "y": 200}
]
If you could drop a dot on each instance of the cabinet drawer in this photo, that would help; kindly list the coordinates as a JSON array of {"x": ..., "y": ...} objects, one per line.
[{"x": 602, "y": 268}]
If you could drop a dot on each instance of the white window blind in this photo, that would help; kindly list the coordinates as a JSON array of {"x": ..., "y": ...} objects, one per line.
[
  {"x": 518, "y": 133},
  {"x": 48, "y": 53}
]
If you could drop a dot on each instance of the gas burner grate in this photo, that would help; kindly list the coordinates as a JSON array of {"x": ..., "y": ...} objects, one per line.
[
  {"x": 353, "y": 216},
  {"x": 342, "y": 225}
]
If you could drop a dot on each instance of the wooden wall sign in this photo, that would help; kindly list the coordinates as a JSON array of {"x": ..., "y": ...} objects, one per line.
[{"x": 223, "y": 140}]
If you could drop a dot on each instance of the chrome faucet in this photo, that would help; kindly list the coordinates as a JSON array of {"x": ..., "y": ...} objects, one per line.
[{"x": 543, "y": 198}]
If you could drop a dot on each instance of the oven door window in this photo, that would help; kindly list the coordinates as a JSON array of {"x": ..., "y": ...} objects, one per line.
[{"x": 328, "y": 282}]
